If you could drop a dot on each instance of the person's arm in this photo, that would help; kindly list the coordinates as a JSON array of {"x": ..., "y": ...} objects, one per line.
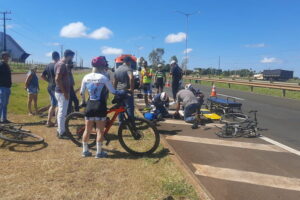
[
  {"x": 109, "y": 86},
  {"x": 115, "y": 82},
  {"x": 177, "y": 108},
  {"x": 28, "y": 79},
  {"x": 82, "y": 91},
  {"x": 59, "y": 82},
  {"x": 131, "y": 81},
  {"x": 44, "y": 76}
]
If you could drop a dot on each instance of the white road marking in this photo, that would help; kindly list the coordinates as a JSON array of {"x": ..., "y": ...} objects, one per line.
[
  {"x": 287, "y": 148},
  {"x": 255, "y": 178},
  {"x": 230, "y": 96},
  {"x": 227, "y": 143},
  {"x": 140, "y": 104},
  {"x": 181, "y": 122}
]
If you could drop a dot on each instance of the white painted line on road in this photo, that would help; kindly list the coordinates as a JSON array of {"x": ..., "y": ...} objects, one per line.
[
  {"x": 140, "y": 104},
  {"x": 231, "y": 97},
  {"x": 248, "y": 177},
  {"x": 227, "y": 143},
  {"x": 182, "y": 122},
  {"x": 287, "y": 148}
]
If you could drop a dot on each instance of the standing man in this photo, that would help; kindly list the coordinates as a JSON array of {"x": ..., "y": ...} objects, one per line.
[
  {"x": 160, "y": 78},
  {"x": 176, "y": 74},
  {"x": 5, "y": 85},
  {"x": 49, "y": 76},
  {"x": 73, "y": 97},
  {"x": 124, "y": 80},
  {"x": 146, "y": 82},
  {"x": 62, "y": 91}
]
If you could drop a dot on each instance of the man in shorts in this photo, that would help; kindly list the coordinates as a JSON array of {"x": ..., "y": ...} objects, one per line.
[
  {"x": 146, "y": 81},
  {"x": 160, "y": 79},
  {"x": 96, "y": 110},
  {"x": 49, "y": 76},
  {"x": 62, "y": 91}
]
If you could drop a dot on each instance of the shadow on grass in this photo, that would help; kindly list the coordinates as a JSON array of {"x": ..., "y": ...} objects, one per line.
[
  {"x": 115, "y": 154},
  {"x": 24, "y": 148},
  {"x": 169, "y": 132}
]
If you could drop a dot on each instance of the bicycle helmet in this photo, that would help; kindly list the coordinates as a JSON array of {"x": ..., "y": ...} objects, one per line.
[
  {"x": 188, "y": 87},
  {"x": 163, "y": 96},
  {"x": 99, "y": 62}
]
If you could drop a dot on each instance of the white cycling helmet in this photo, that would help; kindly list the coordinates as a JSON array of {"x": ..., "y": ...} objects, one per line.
[
  {"x": 163, "y": 96},
  {"x": 188, "y": 87}
]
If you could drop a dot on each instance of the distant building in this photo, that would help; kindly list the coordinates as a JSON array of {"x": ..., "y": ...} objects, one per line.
[
  {"x": 16, "y": 51},
  {"x": 278, "y": 75}
]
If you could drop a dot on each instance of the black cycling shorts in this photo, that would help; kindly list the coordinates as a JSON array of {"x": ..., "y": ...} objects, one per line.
[{"x": 95, "y": 108}]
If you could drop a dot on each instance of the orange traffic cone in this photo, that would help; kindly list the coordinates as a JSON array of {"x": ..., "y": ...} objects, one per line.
[
  {"x": 168, "y": 84},
  {"x": 213, "y": 91}
]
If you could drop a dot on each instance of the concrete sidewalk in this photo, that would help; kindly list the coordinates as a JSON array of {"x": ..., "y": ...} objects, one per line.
[{"x": 233, "y": 168}]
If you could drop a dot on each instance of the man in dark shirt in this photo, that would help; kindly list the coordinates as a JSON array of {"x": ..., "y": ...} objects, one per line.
[
  {"x": 62, "y": 91},
  {"x": 124, "y": 80},
  {"x": 49, "y": 76},
  {"x": 5, "y": 85},
  {"x": 176, "y": 73},
  {"x": 73, "y": 97}
]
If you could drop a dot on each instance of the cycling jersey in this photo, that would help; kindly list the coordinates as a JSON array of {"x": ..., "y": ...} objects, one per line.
[
  {"x": 94, "y": 84},
  {"x": 147, "y": 75}
]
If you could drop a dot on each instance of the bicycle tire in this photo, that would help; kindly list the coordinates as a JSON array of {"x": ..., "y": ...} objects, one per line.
[
  {"x": 149, "y": 127},
  {"x": 17, "y": 136},
  {"x": 75, "y": 132}
]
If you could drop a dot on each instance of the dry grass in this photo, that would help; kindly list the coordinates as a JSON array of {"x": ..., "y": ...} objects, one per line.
[{"x": 57, "y": 171}]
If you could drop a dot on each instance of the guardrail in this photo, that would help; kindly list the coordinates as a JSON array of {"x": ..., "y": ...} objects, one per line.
[{"x": 284, "y": 88}]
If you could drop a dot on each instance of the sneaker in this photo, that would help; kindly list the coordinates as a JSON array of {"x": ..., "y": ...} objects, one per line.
[
  {"x": 62, "y": 136},
  {"x": 86, "y": 154},
  {"x": 103, "y": 154},
  {"x": 6, "y": 121}
]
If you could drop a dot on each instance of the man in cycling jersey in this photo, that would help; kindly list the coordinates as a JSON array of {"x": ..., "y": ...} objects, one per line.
[
  {"x": 146, "y": 82},
  {"x": 95, "y": 111},
  {"x": 160, "y": 78}
]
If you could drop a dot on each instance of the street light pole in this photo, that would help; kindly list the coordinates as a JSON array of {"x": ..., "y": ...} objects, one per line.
[{"x": 187, "y": 15}]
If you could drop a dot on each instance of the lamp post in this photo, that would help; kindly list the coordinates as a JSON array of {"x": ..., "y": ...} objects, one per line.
[{"x": 187, "y": 15}]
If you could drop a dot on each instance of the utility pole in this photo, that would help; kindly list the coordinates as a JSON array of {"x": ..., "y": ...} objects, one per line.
[
  {"x": 4, "y": 27},
  {"x": 153, "y": 38},
  {"x": 61, "y": 50},
  {"x": 187, "y": 15}
]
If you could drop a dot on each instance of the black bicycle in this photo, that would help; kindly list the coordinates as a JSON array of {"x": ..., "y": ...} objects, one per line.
[
  {"x": 239, "y": 125},
  {"x": 16, "y": 134}
]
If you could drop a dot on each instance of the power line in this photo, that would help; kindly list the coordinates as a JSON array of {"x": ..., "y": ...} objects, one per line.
[{"x": 4, "y": 27}]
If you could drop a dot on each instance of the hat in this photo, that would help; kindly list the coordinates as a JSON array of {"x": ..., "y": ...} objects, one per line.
[
  {"x": 4, "y": 53},
  {"x": 173, "y": 62}
]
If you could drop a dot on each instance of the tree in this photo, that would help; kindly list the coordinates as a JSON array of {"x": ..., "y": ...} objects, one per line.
[
  {"x": 155, "y": 57},
  {"x": 174, "y": 58}
]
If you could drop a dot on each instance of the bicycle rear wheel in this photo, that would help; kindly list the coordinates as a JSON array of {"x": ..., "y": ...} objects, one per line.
[
  {"x": 140, "y": 138},
  {"x": 15, "y": 135},
  {"x": 75, "y": 126}
]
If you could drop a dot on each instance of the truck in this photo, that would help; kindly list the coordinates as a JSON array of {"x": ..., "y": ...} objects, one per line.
[{"x": 277, "y": 75}]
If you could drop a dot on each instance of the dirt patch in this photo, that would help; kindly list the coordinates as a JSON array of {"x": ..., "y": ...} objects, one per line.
[{"x": 56, "y": 170}]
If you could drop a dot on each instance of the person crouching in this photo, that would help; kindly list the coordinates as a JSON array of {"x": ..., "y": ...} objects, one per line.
[{"x": 161, "y": 103}]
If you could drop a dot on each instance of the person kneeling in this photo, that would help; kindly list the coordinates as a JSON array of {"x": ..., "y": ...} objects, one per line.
[
  {"x": 161, "y": 103},
  {"x": 190, "y": 103},
  {"x": 95, "y": 112}
]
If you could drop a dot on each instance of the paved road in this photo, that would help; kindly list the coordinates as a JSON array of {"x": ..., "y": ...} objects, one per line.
[
  {"x": 233, "y": 168},
  {"x": 279, "y": 115}
]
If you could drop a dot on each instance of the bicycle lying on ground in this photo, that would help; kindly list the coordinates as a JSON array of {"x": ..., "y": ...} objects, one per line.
[
  {"x": 239, "y": 125},
  {"x": 137, "y": 136},
  {"x": 14, "y": 134}
]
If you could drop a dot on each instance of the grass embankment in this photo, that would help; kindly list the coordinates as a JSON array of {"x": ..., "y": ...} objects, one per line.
[
  {"x": 56, "y": 170},
  {"x": 18, "y": 98},
  {"x": 257, "y": 90},
  {"x": 24, "y": 67}
]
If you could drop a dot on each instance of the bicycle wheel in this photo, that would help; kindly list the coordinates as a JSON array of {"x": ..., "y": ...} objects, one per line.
[
  {"x": 234, "y": 117},
  {"x": 75, "y": 126},
  {"x": 15, "y": 135},
  {"x": 141, "y": 139}
]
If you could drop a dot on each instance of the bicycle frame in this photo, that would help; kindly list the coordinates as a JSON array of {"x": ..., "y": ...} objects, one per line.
[{"x": 116, "y": 112}]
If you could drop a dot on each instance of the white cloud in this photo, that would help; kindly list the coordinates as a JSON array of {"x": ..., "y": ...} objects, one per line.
[
  {"x": 52, "y": 44},
  {"x": 270, "y": 60},
  {"x": 10, "y": 26},
  {"x": 188, "y": 50},
  {"x": 74, "y": 30},
  {"x": 102, "y": 33},
  {"x": 141, "y": 48},
  {"x": 79, "y": 30},
  {"x": 174, "y": 38},
  {"x": 111, "y": 51},
  {"x": 49, "y": 54},
  {"x": 259, "y": 45}
]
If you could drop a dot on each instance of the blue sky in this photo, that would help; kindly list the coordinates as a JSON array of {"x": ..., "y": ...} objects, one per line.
[{"x": 257, "y": 34}]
